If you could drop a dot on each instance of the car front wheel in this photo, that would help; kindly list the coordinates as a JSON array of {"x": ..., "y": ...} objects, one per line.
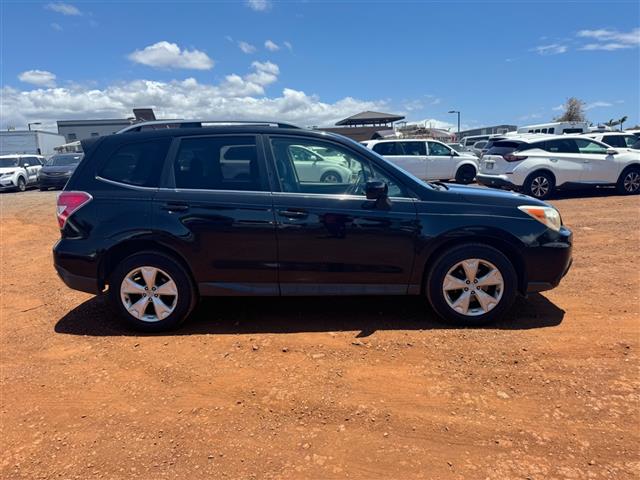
[
  {"x": 22, "y": 185},
  {"x": 152, "y": 292},
  {"x": 465, "y": 174},
  {"x": 629, "y": 181},
  {"x": 471, "y": 284}
]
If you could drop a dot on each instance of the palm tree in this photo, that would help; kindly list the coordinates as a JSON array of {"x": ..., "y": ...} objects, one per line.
[{"x": 621, "y": 121}]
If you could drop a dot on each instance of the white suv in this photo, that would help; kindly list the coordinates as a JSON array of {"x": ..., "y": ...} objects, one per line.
[
  {"x": 19, "y": 171},
  {"x": 614, "y": 139},
  {"x": 538, "y": 164},
  {"x": 427, "y": 159}
]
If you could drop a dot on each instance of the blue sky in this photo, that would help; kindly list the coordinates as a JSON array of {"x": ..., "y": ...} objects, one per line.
[{"x": 314, "y": 62}]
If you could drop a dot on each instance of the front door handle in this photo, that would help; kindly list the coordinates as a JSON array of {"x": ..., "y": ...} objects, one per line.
[
  {"x": 175, "y": 207},
  {"x": 587, "y": 161},
  {"x": 293, "y": 213}
]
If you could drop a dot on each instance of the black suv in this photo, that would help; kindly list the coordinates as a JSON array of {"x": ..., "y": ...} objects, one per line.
[{"x": 164, "y": 217}]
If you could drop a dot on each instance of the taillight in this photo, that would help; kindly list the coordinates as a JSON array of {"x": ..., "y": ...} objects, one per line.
[
  {"x": 70, "y": 202},
  {"x": 514, "y": 158}
]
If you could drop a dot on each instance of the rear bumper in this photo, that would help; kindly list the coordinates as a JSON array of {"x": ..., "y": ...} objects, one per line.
[
  {"x": 499, "y": 181},
  {"x": 77, "y": 269},
  {"x": 77, "y": 282}
]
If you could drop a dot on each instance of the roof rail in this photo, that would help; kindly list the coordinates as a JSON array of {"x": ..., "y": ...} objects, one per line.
[{"x": 204, "y": 123}]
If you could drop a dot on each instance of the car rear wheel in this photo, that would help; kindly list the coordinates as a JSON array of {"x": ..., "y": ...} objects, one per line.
[
  {"x": 471, "y": 284},
  {"x": 22, "y": 185},
  {"x": 540, "y": 185},
  {"x": 629, "y": 181},
  {"x": 465, "y": 174},
  {"x": 152, "y": 292}
]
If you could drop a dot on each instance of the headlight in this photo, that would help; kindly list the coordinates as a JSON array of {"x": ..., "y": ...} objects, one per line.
[
  {"x": 547, "y": 215},
  {"x": 7, "y": 174}
]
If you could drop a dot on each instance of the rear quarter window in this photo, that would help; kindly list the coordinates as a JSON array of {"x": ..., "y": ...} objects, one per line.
[{"x": 138, "y": 163}]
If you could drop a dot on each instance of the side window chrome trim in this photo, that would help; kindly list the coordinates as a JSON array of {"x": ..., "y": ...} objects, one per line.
[
  {"x": 125, "y": 185},
  {"x": 207, "y": 190},
  {"x": 333, "y": 196}
]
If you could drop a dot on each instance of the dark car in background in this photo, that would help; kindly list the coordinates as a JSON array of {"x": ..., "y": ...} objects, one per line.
[
  {"x": 159, "y": 219},
  {"x": 58, "y": 169}
]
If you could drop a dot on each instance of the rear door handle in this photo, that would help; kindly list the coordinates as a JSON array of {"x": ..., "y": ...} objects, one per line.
[
  {"x": 293, "y": 213},
  {"x": 175, "y": 207}
]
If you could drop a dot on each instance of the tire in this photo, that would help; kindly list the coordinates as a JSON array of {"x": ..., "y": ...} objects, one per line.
[
  {"x": 43, "y": 189},
  {"x": 157, "y": 313},
  {"x": 465, "y": 174},
  {"x": 629, "y": 181},
  {"x": 540, "y": 185},
  {"x": 331, "y": 177},
  {"x": 497, "y": 294},
  {"x": 22, "y": 184}
]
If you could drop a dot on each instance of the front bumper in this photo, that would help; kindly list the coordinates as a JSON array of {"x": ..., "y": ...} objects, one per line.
[
  {"x": 499, "y": 181},
  {"x": 54, "y": 182},
  {"x": 549, "y": 262},
  {"x": 7, "y": 183}
]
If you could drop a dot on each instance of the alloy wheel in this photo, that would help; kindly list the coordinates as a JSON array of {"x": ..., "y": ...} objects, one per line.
[
  {"x": 331, "y": 178},
  {"x": 631, "y": 182},
  {"x": 149, "y": 294},
  {"x": 473, "y": 287},
  {"x": 539, "y": 186}
]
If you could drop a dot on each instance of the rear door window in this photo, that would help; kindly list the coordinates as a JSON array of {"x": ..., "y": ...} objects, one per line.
[
  {"x": 413, "y": 148},
  {"x": 617, "y": 141},
  {"x": 387, "y": 148},
  {"x": 563, "y": 145},
  {"x": 218, "y": 163},
  {"x": 138, "y": 164}
]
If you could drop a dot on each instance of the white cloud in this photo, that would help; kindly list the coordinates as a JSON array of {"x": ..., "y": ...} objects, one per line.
[
  {"x": 271, "y": 46},
  {"x": 605, "y": 46},
  {"x": 551, "y": 49},
  {"x": 169, "y": 55},
  {"x": 259, "y": 5},
  {"x": 610, "y": 40},
  {"x": 597, "y": 104},
  {"x": 246, "y": 47},
  {"x": 63, "y": 8},
  {"x": 288, "y": 45},
  {"x": 558, "y": 108},
  {"x": 236, "y": 97},
  {"x": 56, "y": 26},
  {"x": 41, "y": 78}
]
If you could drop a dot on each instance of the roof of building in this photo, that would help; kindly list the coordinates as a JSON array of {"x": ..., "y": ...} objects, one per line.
[
  {"x": 104, "y": 121},
  {"x": 370, "y": 117}
]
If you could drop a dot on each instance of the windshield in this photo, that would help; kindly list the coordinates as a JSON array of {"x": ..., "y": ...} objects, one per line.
[
  {"x": 8, "y": 162},
  {"x": 64, "y": 160}
]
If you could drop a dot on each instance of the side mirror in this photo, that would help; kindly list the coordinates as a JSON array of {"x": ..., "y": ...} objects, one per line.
[
  {"x": 26, "y": 165},
  {"x": 612, "y": 151},
  {"x": 375, "y": 190}
]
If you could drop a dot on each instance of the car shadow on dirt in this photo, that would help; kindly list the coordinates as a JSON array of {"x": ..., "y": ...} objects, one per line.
[{"x": 238, "y": 315}]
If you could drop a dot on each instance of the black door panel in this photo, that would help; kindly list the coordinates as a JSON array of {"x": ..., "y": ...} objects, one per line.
[{"x": 344, "y": 245}]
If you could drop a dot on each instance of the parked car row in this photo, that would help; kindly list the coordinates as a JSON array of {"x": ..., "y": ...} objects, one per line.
[
  {"x": 427, "y": 159},
  {"x": 539, "y": 164},
  {"x": 19, "y": 172}
]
